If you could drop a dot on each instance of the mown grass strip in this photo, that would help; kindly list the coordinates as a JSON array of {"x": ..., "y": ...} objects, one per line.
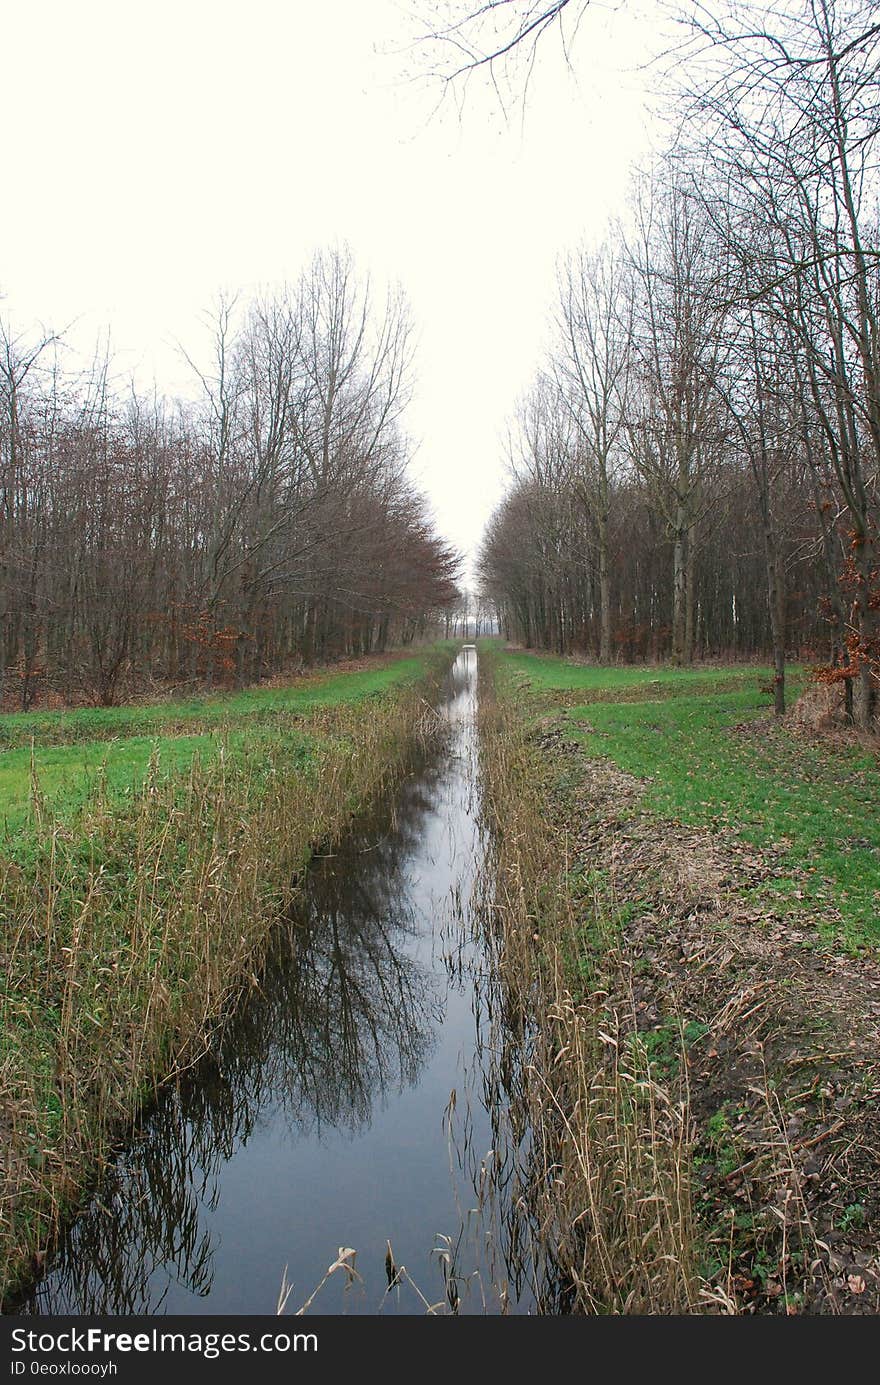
[
  {"x": 70, "y": 755},
  {"x": 716, "y": 759},
  {"x": 197, "y": 714},
  {"x": 551, "y": 673}
]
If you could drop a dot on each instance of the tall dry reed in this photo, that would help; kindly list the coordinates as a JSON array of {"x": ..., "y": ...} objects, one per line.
[
  {"x": 605, "y": 1183},
  {"x": 129, "y": 931}
]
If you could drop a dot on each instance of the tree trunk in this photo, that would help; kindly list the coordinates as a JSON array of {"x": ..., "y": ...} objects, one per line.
[
  {"x": 868, "y": 636},
  {"x": 604, "y": 592},
  {"x": 776, "y": 601},
  {"x": 689, "y": 586},
  {"x": 679, "y": 582}
]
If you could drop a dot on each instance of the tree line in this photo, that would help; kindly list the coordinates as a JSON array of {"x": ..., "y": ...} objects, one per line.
[
  {"x": 695, "y": 471},
  {"x": 268, "y": 525}
]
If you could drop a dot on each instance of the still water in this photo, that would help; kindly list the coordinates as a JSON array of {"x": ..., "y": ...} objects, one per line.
[{"x": 349, "y": 1103}]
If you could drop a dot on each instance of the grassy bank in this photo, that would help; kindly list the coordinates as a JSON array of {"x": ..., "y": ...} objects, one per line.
[
  {"x": 566, "y": 680},
  {"x": 137, "y": 894},
  {"x": 172, "y": 715},
  {"x": 689, "y": 897},
  {"x": 711, "y": 756},
  {"x": 71, "y": 752},
  {"x": 605, "y": 1191}
]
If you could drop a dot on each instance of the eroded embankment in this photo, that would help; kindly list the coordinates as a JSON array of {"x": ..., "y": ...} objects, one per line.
[
  {"x": 703, "y": 1078},
  {"x": 131, "y": 927}
]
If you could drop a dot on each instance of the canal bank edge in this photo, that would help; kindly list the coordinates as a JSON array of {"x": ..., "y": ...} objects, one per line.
[
  {"x": 129, "y": 939},
  {"x": 701, "y": 1073}
]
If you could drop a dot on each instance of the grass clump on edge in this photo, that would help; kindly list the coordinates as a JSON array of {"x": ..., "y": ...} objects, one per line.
[{"x": 131, "y": 922}]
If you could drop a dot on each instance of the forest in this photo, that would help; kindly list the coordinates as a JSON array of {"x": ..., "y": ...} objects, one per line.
[
  {"x": 694, "y": 472},
  {"x": 148, "y": 543}
]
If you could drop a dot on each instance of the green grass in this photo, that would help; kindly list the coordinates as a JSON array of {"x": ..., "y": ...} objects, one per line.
[
  {"x": 816, "y": 805},
  {"x": 549, "y": 673},
  {"x": 72, "y": 753},
  {"x": 194, "y": 714},
  {"x": 663, "y": 1045},
  {"x": 68, "y": 776}
]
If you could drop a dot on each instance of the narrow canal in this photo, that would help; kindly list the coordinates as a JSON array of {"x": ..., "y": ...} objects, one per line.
[{"x": 348, "y": 1103}]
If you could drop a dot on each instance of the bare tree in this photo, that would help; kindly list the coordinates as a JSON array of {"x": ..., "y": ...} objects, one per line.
[
  {"x": 789, "y": 104},
  {"x": 499, "y": 37},
  {"x": 270, "y": 524},
  {"x": 591, "y": 364},
  {"x": 672, "y": 425}
]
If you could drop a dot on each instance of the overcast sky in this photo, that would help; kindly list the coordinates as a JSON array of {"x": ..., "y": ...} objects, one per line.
[{"x": 156, "y": 153}]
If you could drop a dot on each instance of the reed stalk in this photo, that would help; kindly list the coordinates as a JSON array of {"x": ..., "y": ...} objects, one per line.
[{"x": 129, "y": 929}]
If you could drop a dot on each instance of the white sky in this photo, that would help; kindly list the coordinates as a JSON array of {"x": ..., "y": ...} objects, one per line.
[{"x": 156, "y": 153}]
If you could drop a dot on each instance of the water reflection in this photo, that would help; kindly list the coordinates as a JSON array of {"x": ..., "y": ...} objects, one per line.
[
  {"x": 342, "y": 1011},
  {"x": 317, "y": 1119}
]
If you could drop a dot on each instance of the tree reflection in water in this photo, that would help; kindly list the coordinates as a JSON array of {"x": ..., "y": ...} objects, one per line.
[
  {"x": 342, "y": 1012},
  {"x": 383, "y": 984}
]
